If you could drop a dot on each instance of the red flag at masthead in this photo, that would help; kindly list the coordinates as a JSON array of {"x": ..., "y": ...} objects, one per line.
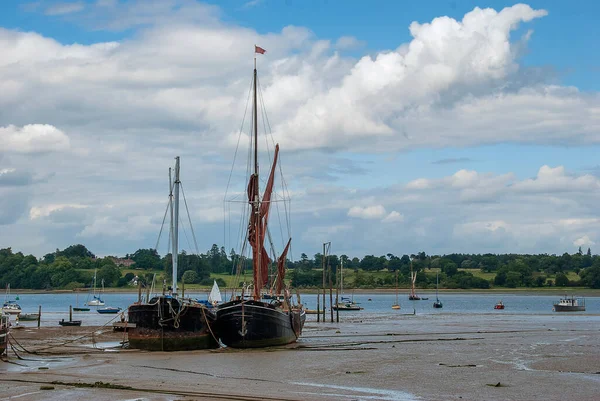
[{"x": 258, "y": 49}]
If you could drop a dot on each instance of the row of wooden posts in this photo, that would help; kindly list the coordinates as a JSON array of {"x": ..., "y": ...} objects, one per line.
[{"x": 327, "y": 276}]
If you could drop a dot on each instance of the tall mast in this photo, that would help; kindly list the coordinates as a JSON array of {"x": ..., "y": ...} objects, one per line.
[
  {"x": 257, "y": 222},
  {"x": 175, "y": 224},
  {"x": 255, "y": 127}
]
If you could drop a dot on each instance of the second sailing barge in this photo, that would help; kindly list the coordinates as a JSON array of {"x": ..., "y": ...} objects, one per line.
[{"x": 168, "y": 322}]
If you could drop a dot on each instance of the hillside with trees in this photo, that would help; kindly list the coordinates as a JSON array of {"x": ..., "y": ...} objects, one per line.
[{"x": 74, "y": 267}]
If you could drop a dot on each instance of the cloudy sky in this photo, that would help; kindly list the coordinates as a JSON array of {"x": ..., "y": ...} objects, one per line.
[{"x": 456, "y": 126}]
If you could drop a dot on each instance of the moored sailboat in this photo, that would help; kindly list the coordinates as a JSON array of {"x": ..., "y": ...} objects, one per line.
[
  {"x": 397, "y": 304},
  {"x": 413, "y": 278},
  {"x": 345, "y": 304},
  {"x": 214, "y": 298},
  {"x": 169, "y": 322},
  {"x": 250, "y": 321},
  {"x": 10, "y": 307},
  {"x": 437, "y": 304},
  {"x": 96, "y": 300}
]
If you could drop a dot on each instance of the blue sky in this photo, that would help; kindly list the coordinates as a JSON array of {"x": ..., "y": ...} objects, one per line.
[{"x": 474, "y": 135}]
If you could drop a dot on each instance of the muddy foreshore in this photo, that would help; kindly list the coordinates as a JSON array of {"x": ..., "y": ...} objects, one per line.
[{"x": 396, "y": 357}]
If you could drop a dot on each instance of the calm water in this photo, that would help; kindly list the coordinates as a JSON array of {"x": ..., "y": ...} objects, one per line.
[{"x": 56, "y": 306}]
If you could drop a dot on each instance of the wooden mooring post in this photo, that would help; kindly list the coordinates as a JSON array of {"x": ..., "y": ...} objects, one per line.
[{"x": 39, "y": 315}]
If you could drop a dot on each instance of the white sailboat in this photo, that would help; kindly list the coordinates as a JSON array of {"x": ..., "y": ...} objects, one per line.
[
  {"x": 215, "y": 294},
  {"x": 345, "y": 303},
  {"x": 96, "y": 300},
  {"x": 10, "y": 307}
]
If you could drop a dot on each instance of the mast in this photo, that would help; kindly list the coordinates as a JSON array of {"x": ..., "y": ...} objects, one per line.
[
  {"x": 257, "y": 219},
  {"x": 396, "y": 286},
  {"x": 175, "y": 225},
  {"x": 342, "y": 277}
]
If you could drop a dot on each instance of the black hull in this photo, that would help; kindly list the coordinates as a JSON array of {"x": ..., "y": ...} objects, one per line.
[
  {"x": 175, "y": 327},
  {"x": 254, "y": 324},
  {"x": 70, "y": 323},
  {"x": 568, "y": 308}
]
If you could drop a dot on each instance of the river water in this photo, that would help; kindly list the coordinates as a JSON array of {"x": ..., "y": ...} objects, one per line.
[{"x": 56, "y": 306}]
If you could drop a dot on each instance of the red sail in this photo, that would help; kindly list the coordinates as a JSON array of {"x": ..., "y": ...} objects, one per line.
[
  {"x": 281, "y": 267},
  {"x": 258, "y": 221}
]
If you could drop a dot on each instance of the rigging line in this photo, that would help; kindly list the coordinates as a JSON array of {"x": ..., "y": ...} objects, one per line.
[
  {"x": 161, "y": 227},
  {"x": 238, "y": 141},
  {"x": 266, "y": 119},
  {"x": 189, "y": 219},
  {"x": 184, "y": 233}
]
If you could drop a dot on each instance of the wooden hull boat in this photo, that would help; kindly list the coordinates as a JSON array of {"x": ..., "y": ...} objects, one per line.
[
  {"x": 29, "y": 317},
  {"x": 169, "y": 324}
]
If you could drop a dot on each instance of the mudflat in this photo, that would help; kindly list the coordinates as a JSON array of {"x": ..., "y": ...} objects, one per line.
[{"x": 385, "y": 357}]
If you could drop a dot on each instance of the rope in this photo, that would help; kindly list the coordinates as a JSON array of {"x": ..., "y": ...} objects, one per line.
[
  {"x": 209, "y": 328},
  {"x": 91, "y": 334}
]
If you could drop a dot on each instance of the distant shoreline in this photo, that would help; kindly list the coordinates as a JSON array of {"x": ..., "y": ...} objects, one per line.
[{"x": 585, "y": 292}]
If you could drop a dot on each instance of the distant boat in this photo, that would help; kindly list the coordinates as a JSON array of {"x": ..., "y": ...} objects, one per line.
[
  {"x": 413, "y": 277},
  {"x": 108, "y": 309},
  {"x": 570, "y": 305},
  {"x": 345, "y": 304},
  {"x": 96, "y": 300},
  {"x": 64, "y": 322},
  {"x": 10, "y": 307},
  {"x": 78, "y": 308},
  {"x": 397, "y": 304},
  {"x": 27, "y": 317},
  {"x": 215, "y": 294},
  {"x": 499, "y": 305},
  {"x": 437, "y": 303}
]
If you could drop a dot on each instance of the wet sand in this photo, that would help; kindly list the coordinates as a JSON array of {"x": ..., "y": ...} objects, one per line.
[{"x": 393, "y": 357}]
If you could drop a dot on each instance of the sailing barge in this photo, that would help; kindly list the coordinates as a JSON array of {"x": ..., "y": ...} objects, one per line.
[
  {"x": 168, "y": 322},
  {"x": 253, "y": 321}
]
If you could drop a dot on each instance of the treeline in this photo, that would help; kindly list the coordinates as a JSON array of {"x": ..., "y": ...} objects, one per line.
[
  {"x": 455, "y": 270},
  {"x": 74, "y": 267}
]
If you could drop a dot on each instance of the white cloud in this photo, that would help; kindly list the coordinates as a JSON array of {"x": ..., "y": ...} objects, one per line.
[
  {"x": 555, "y": 179},
  {"x": 393, "y": 217},
  {"x": 65, "y": 8},
  {"x": 33, "y": 138},
  {"x": 348, "y": 43},
  {"x": 367, "y": 212},
  {"x": 44, "y": 211},
  {"x": 583, "y": 241},
  {"x": 178, "y": 86}
]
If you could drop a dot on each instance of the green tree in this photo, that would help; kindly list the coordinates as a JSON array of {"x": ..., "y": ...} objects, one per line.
[
  {"x": 189, "y": 277},
  {"x": 591, "y": 276},
  {"x": 561, "y": 280}
]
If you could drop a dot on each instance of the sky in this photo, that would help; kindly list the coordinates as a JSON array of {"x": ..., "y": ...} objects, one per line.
[{"x": 404, "y": 126}]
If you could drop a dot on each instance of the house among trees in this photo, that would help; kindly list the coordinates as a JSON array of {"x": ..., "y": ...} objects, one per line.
[{"x": 122, "y": 262}]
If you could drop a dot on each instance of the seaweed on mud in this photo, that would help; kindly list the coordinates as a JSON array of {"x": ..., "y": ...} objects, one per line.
[{"x": 98, "y": 384}]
